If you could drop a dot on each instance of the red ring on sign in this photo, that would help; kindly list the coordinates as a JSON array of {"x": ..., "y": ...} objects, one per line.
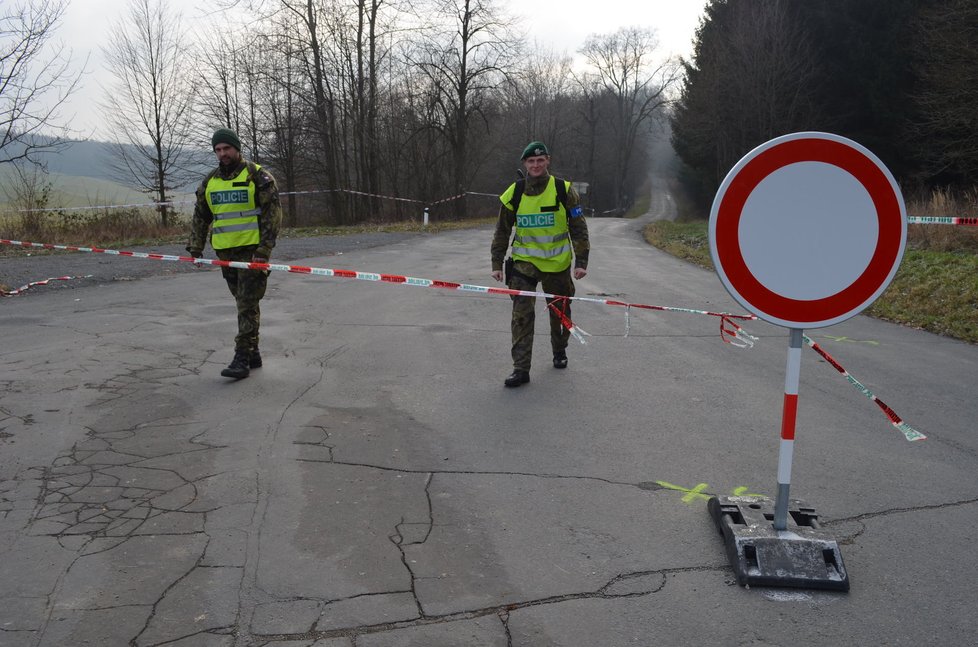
[{"x": 888, "y": 244}]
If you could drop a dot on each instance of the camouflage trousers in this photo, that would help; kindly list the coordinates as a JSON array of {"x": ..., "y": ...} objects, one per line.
[
  {"x": 247, "y": 287},
  {"x": 526, "y": 277}
]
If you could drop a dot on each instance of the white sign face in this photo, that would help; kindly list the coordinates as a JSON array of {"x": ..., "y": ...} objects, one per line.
[{"x": 807, "y": 230}]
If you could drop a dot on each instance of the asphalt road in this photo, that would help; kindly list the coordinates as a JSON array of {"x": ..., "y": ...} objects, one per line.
[
  {"x": 20, "y": 268},
  {"x": 375, "y": 485}
]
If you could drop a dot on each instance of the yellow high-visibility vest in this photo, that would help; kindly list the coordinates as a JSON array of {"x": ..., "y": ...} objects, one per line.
[
  {"x": 542, "y": 235},
  {"x": 235, "y": 210}
]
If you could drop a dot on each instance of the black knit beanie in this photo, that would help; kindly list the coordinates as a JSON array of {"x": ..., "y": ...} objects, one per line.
[{"x": 225, "y": 136}]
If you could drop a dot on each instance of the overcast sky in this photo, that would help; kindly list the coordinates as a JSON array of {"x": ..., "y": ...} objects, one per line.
[{"x": 560, "y": 24}]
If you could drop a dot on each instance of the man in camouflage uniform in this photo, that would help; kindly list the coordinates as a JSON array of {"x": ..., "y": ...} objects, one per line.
[
  {"x": 548, "y": 220},
  {"x": 238, "y": 203}
]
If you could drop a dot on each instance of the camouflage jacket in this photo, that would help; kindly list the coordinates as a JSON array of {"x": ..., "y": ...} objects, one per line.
[
  {"x": 266, "y": 197},
  {"x": 507, "y": 220}
]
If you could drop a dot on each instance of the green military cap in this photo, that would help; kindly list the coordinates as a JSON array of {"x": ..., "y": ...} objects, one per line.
[{"x": 535, "y": 148}]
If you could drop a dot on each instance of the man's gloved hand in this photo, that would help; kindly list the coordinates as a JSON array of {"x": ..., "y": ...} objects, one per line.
[
  {"x": 196, "y": 253},
  {"x": 258, "y": 258}
]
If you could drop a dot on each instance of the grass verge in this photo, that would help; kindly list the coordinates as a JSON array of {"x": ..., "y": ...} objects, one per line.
[{"x": 933, "y": 290}]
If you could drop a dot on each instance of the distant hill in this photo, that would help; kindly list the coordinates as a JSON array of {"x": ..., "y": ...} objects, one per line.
[
  {"x": 82, "y": 177},
  {"x": 72, "y": 191},
  {"x": 82, "y": 158}
]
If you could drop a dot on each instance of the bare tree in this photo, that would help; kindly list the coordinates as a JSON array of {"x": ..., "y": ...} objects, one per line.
[
  {"x": 537, "y": 95},
  {"x": 28, "y": 188},
  {"x": 362, "y": 63},
  {"x": 36, "y": 80},
  {"x": 311, "y": 23},
  {"x": 416, "y": 154},
  {"x": 149, "y": 106},
  {"x": 218, "y": 81},
  {"x": 285, "y": 116},
  {"x": 465, "y": 61},
  {"x": 231, "y": 80},
  {"x": 638, "y": 85},
  {"x": 588, "y": 103}
]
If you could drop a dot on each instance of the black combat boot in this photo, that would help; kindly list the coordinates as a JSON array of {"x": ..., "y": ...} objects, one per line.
[
  {"x": 255, "y": 361},
  {"x": 560, "y": 359},
  {"x": 238, "y": 368},
  {"x": 517, "y": 378}
]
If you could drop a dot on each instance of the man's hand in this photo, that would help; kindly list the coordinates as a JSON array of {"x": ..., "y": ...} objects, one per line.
[
  {"x": 258, "y": 259},
  {"x": 579, "y": 272},
  {"x": 498, "y": 275}
]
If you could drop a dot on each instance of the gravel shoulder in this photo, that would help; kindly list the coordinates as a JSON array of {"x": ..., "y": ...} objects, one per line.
[{"x": 17, "y": 270}]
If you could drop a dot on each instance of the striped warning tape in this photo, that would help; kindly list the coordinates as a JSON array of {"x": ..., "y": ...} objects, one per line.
[
  {"x": 170, "y": 203},
  {"x": 729, "y": 331},
  {"x": 941, "y": 220},
  {"x": 24, "y": 288},
  {"x": 374, "y": 195},
  {"x": 454, "y": 197},
  {"x": 308, "y": 192},
  {"x": 909, "y": 432}
]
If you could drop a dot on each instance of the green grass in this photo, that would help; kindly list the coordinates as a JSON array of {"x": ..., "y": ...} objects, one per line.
[
  {"x": 933, "y": 290},
  {"x": 642, "y": 202},
  {"x": 71, "y": 191},
  {"x": 686, "y": 240}
]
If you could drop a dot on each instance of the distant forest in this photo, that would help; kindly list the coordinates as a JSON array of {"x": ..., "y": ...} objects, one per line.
[
  {"x": 435, "y": 98},
  {"x": 898, "y": 76},
  {"x": 423, "y": 100}
]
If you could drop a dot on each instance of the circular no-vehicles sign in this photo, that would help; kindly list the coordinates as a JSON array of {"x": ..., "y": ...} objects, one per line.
[{"x": 807, "y": 230}]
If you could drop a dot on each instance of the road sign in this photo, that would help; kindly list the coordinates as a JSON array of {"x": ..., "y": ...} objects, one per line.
[{"x": 807, "y": 230}]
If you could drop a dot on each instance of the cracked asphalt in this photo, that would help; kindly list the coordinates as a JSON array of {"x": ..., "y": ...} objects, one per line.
[{"x": 374, "y": 485}]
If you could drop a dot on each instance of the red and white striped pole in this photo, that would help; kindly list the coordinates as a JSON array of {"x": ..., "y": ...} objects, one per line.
[{"x": 788, "y": 417}]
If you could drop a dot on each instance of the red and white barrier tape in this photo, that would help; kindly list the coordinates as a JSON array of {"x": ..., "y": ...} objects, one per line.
[
  {"x": 308, "y": 192},
  {"x": 941, "y": 220},
  {"x": 736, "y": 332},
  {"x": 565, "y": 321},
  {"x": 170, "y": 203},
  {"x": 454, "y": 197},
  {"x": 909, "y": 432},
  {"x": 374, "y": 195},
  {"x": 730, "y": 331},
  {"x": 24, "y": 288}
]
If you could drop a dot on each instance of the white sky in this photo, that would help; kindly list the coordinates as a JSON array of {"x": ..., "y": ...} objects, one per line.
[{"x": 561, "y": 24}]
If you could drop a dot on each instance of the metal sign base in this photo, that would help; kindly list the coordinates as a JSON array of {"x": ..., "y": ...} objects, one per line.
[{"x": 802, "y": 555}]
